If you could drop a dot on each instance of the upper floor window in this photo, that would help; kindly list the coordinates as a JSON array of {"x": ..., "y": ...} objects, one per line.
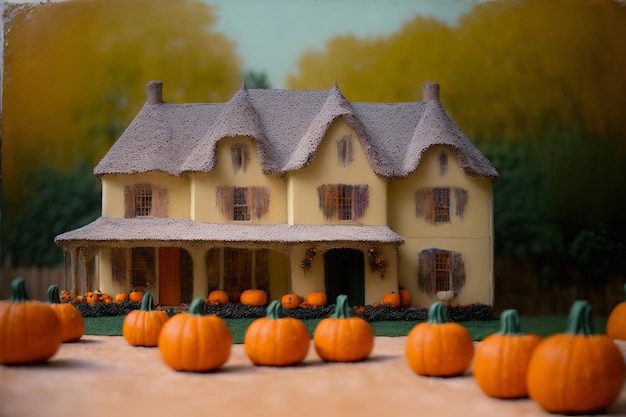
[
  {"x": 443, "y": 163},
  {"x": 343, "y": 201},
  {"x": 435, "y": 204},
  {"x": 142, "y": 200},
  {"x": 243, "y": 203},
  {"x": 239, "y": 155},
  {"x": 344, "y": 150}
]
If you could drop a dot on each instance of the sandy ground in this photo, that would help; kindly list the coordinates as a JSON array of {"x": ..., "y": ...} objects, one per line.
[{"x": 104, "y": 376}]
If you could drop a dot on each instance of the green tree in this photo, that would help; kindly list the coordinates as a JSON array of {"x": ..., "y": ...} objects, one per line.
[{"x": 256, "y": 79}]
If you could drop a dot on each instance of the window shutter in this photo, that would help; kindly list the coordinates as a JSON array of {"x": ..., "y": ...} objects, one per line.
[
  {"x": 160, "y": 201},
  {"x": 425, "y": 204},
  {"x": 225, "y": 197},
  {"x": 129, "y": 201},
  {"x": 425, "y": 271}
]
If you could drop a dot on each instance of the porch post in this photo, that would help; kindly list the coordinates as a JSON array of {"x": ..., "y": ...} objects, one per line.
[
  {"x": 73, "y": 272},
  {"x": 200, "y": 277}
]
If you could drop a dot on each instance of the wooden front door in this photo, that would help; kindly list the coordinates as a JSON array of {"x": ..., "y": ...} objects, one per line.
[
  {"x": 169, "y": 276},
  {"x": 345, "y": 274}
]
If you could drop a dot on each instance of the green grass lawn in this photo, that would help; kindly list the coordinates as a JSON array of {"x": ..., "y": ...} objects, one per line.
[{"x": 541, "y": 325}]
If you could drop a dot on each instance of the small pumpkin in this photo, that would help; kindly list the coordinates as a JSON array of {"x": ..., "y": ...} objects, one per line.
[
  {"x": 342, "y": 337},
  {"x": 439, "y": 348},
  {"x": 405, "y": 298},
  {"x": 142, "y": 327},
  {"x": 195, "y": 342},
  {"x": 105, "y": 298},
  {"x": 253, "y": 297},
  {"x": 91, "y": 298},
  {"x": 31, "y": 330},
  {"x": 120, "y": 297},
  {"x": 78, "y": 299},
  {"x": 65, "y": 296},
  {"x": 317, "y": 299},
  {"x": 217, "y": 298},
  {"x": 391, "y": 300},
  {"x": 290, "y": 301},
  {"x": 576, "y": 372},
  {"x": 501, "y": 359},
  {"x": 276, "y": 341},
  {"x": 72, "y": 322},
  {"x": 616, "y": 324},
  {"x": 135, "y": 296}
]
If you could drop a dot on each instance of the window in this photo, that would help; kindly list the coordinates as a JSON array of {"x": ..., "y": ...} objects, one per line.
[
  {"x": 441, "y": 211},
  {"x": 239, "y": 155},
  {"x": 242, "y": 203},
  {"x": 237, "y": 270},
  {"x": 344, "y": 150},
  {"x": 143, "y": 200},
  {"x": 443, "y": 163},
  {"x": 440, "y": 270},
  {"x": 342, "y": 201},
  {"x": 142, "y": 267}
]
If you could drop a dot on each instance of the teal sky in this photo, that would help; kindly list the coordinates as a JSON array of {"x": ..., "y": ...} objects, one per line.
[{"x": 271, "y": 35}]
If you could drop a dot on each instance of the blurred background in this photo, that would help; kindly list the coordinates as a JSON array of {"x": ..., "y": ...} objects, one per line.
[{"x": 540, "y": 87}]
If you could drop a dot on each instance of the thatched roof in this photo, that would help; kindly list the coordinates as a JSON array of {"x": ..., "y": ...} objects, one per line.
[
  {"x": 287, "y": 127},
  {"x": 156, "y": 231}
]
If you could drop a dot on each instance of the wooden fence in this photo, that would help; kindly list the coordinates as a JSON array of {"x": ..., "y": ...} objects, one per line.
[{"x": 37, "y": 280}]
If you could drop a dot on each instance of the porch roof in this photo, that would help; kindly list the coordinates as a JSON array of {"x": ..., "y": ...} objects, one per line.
[{"x": 152, "y": 230}]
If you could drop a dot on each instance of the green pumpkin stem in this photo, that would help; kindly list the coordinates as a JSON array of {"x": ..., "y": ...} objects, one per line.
[
  {"x": 274, "y": 310},
  {"x": 196, "y": 308},
  {"x": 54, "y": 296},
  {"x": 437, "y": 313},
  {"x": 579, "y": 321},
  {"x": 510, "y": 324},
  {"x": 342, "y": 311},
  {"x": 18, "y": 291},
  {"x": 147, "y": 302}
]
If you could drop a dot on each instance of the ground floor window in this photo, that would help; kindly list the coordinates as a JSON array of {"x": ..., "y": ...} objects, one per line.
[
  {"x": 143, "y": 267},
  {"x": 440, "y": 270}
]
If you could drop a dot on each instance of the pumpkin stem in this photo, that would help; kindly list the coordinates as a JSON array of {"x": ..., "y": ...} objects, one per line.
[
  {"x": 579, "y": 321},
  {"x": 509, "y": 323},
  {"x": 195, "y": 309},
  {"x": 274, "y": 310},
  {"x": 54, "y": 295},
  {"x": 342, "y": 311},
  {"x": 437, "y": 313},
  {"x": 147, "y": 302},
  {"x": 18, "y": 291}
]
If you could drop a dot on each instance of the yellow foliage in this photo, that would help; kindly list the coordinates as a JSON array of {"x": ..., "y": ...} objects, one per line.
[
  {"x": 75, "y": 74},
  {"x": 508, "y": 69}
]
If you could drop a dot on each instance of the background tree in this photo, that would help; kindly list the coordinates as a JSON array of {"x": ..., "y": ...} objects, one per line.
[
  {"x": 75, "y": 74},
  {"x": 256, "y": 79}
]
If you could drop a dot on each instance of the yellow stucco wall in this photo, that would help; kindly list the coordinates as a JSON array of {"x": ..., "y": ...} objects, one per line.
[
  {"x": 325, "y": 168},
  {"x": 204, "y": 207},
  {"x": 471, "y": 235}
]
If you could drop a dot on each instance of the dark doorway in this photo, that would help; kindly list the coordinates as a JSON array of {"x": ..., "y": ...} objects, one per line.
[{"x": 344, "y": 274}]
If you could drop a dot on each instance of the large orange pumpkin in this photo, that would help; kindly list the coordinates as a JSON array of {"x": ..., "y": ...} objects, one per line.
[
  {"x": 290, "y": 301},
  {"x": 343, "y": 338},
  {"x": 317, "y": 299},
  {"x": 194, "y": 341},
  {"x": 142, "y": 327},
  {"x": 276, "y": 341},
  {"x": 30, "y": 330},
  {"x": 501, "y": 360},
  {"x": 438, "y": 348},
  {"x": 72, "y": 322},
  {"x": 616, "y": 325},
  {"x": 253, "y": 297},
  {"x": 217, "y": 298},
  {"x": 391, "y": 300},
  {"x": 576, "y": 372}
]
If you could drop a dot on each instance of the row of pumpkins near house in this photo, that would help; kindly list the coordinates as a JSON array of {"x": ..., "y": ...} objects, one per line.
[{"x": 576, "y": 371}]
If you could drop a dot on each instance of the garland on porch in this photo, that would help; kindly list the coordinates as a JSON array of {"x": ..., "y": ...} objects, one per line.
[
  {"x": 378, "y": 261},
  {"x": 309, "y": 257}
]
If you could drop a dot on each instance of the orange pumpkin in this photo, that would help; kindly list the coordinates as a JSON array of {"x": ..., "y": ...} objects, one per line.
[
  {"x": 105, "y": 298},
  {"x": 65, "y": 296},
  {"x": 217, "y": 298},
  {"x": 405, "y": 298},
  {"x": 142, "y": 327},
  {"x": 91, "y": 298},
  {"x": 253, "y": 297},
  {"x": 343, "y": 338},
  {"x": 72, "y": 322},
  {"x": 31, "y": 331},
  {"x": 135, "y": 296},
  {"x": 391, "y": 300},
  {"x": 78, "y": 299},
  {"x": 501, "y": 360},
  {"x": 438, "y": 348},
  {"x": 195, "y": 342},
  {"x": 290, "y": 301},
  {"x": 317, "y": 299},
  {"x": 576, "y": 372},
  {"x": 616, "y": 324},
  {"x": 276, "y": 341},
  {"x": 121, "y": 297}
]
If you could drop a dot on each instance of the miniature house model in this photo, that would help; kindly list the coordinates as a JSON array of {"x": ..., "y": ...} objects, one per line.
[{"x": 290, "y": 191}]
